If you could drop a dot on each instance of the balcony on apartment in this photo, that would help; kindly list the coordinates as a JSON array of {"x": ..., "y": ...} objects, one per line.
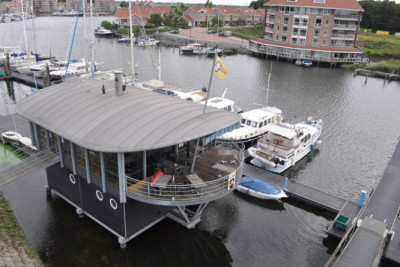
[
  {"x": 343, "y": 16},
  {"x": 341, "y": 26}
]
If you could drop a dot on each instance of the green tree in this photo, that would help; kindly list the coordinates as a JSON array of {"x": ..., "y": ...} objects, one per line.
[
  {"x": 106, "y": 24},
  {"x": 208, "y": 3},
  {"x": 258, "y": 4},
  {"x": 124, "y": 4},
  {"x": 381, "y": 16},
  {"x": 214, "y": 21},
  {"x": 155, "y": 19}
]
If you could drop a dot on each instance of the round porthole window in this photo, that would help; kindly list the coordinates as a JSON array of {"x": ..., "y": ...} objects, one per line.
[
  {"x": 113, "y": 203},
  {"x": 72, "y": 178},
  {"x": 99, "y": 195}
]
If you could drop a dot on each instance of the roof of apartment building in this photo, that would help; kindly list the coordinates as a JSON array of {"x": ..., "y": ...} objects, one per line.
[
  {"x": 144, "y": 3},
  {"x": 187, "y": 18},
  {"x": 313, "y": 48},
  {"x": 226, "y": 10},
  {"x": 338, "y": 4},
  {"x": 207, "y": 10},
  {"x": 250, "y": 11},
  {"x": 142, "y": 12}
]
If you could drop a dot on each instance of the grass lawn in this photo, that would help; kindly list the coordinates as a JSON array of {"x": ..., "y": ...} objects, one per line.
[{"x": 245, "y": 32}]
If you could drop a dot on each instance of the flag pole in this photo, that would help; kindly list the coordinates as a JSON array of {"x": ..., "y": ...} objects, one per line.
[{"x": 209, "y": 83}]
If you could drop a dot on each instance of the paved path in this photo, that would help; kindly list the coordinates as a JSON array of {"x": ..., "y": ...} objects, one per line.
[{"x": 201, "y": 34}]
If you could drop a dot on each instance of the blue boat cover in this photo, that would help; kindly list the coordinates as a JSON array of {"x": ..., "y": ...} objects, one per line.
[
  {"x": 260, "y": 186},
  {"x": 307, "y": 61}
]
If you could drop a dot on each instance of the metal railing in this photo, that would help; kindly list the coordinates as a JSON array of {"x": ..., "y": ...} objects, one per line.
[
  {"x": 271, "y": 12},
  {"x": 343, "y": 36},
  {"x": 344, "y": 26},
  {"x": 350, "y": 17},
  {"x": 270, "y": 30},
  {"x": 185, "y": 192},
  {"x": 270, "y": 21}
]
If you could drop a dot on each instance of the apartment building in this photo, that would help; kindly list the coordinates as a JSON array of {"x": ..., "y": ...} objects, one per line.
[
  {"x": 323, "y": 30},
  {"x": 140, "y": 15},
  {"x": 199, "y": 15}
]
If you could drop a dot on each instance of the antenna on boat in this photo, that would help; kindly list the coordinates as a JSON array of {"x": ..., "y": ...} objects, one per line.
[
  {"x": 23, "y": 23},
  {"x": 84, "y": 33},
  {"x": 131, "y": 41},
  {"x": 91, "y": 41}
]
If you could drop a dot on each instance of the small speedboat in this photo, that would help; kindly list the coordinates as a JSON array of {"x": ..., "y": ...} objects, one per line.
[
  {"x": 307, "y": 63},
  {"x": 26, "y": 141},
  {"x": 11, "y": 136},
  {"x": 260, "y": 189}
]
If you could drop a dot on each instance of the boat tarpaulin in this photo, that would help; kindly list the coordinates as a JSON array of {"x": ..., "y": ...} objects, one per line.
[{"x": 260, "y": 186}]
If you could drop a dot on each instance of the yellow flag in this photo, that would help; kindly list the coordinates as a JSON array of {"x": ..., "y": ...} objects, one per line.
[{"x": 220, "y": 70}]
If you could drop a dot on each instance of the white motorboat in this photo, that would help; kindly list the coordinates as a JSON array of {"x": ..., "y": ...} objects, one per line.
[
  {"x": 254, "y": 124},
  {"x": 74, "y": 69},
  {"x": 260, "y": 189},
  {"x": 285, "y": 144},
  {"x": 11, "y": 136},
  {"x": 223, "y": 103},
  {"x": 102, "y": 32},
  {"x": 148, "y": 42},
  {"x": 299, "y": 62},
  {"x": 26, "y": 141},
  {"x": 160, "y": 87},
  {"x": 194, "y": 48}
]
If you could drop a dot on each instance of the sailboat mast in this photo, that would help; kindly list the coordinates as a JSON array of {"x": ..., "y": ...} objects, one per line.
[
  {"x": 91, "y": 42},
  {"x": 131, "y": 41},
  {"x": 84, "y": 33},
  {"x": 209, "y": 84},
  {"x": 23, "y": 23},
  {"x": 269, "y": 79},
  {"x": 159, "y": 64}
]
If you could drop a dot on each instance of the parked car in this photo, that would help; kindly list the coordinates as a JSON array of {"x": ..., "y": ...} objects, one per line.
[
  {"x": 226, "y": 33},
  {"x": 176, "y": 31},
  {"x": 211, "y": 31}
]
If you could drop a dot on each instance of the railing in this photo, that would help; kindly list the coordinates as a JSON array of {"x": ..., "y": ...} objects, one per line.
[
  {"x": 270, "y": 30},
  {"x": 350, "y": 17},
  {"x": 185, "y": 192},
  {"x": 270, "y": 21},
  {"x": 271, "y": 12},
  {"x": 343, "y": 36},
  {"x": 344, "y": 26}
]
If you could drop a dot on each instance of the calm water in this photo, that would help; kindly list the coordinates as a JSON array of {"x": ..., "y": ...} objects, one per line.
[{"x": 361, "y": 129}]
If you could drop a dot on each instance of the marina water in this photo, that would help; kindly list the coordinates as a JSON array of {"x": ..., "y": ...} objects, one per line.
[{"x": 361, "y": 129}]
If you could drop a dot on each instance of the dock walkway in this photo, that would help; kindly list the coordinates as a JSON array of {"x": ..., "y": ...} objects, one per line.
[
  {"x": 379, "y": 216},
  {"x": 304, "y": 193}
]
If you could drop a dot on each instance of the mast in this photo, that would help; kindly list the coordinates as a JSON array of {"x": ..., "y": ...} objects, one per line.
[
  {"x": 131, "y": 41},
  {"x": 159, "y": 64},
  {"x": 84, "y": 33},
  {"x": 23, "y": 23},
  {"x": 209, "y": 83},
  {"x": 91, "y": 42},
  {"x": 269, "y": 79}
]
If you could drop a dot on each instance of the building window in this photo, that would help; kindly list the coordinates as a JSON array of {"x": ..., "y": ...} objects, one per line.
[
  {"x": 277, "y": 38},
  {"x": 277, "y": 27},
  {"x": 304, "y": 22},
  {"x": 327, "y": 22},
  {"x": 319, "y": 1},
  {"x": 281, "y": 8},
  {"x": 295, "y": 31},
  {"x": 279, "y": 19},
  {"x": 316, "y": 32},
  {"x": 285, "y": 29},
  {"x": 313, "y": 10},
  {"x": 323, "y": 42},
  {"x": 325, "y": 33},
  {"x": 315, "y": 42},
  {"x": 294, "y": 40},
  {"x": 284, "y": 39},
  {"x": 286, "y": 20},
  {"x": 327, "y": 11},
  {"x": 296, "y": 21},
  {"x": 303, "y": 32},
  {"x": 318, "y": 23}
]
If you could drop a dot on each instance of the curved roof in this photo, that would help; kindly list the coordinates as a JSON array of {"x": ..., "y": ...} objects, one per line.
[{"x": 136, "y": 121}]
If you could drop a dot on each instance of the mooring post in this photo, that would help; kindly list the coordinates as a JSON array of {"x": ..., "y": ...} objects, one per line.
[
  {"x": 366, "y": 78},
  {"x": 362, "y": 198},
  {"x": 46, "y": 77},
  {"x": 286, "y": 182},
  {"x": 7, "y": 66}
]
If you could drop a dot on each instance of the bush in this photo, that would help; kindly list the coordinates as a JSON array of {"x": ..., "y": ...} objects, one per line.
[{"x": 107, "y": 25}]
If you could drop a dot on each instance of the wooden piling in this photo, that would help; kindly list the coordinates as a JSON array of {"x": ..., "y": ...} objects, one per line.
[{"x": 46, "y": 77}]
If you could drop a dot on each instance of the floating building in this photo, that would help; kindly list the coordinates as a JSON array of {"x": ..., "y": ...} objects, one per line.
[{"x": 128, "y": 158}]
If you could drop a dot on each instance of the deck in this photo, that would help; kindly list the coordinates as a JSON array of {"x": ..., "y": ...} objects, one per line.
[{"x": 26, "y": 79}]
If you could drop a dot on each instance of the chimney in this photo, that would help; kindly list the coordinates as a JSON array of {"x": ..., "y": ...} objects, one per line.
[{"x": 118, "y": 83}]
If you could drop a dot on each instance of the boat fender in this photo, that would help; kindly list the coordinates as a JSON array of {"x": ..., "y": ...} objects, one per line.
[
  {"x": 276, "y": 160},
  {"x": 282, "y": 162},
  {"x": 311, "y": 147}
]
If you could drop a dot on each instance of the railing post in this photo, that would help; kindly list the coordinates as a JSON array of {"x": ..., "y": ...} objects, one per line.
[{"x": 362, "y": 198}]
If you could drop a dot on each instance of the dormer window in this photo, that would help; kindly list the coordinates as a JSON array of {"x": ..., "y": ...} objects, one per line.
[
  {"x": 292, "y": 0},
  {"x": 319, "y": 1}
]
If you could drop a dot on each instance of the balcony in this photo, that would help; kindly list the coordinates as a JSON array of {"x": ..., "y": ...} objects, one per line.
[
  {"x": 270, "y": 21},
  {"x": 215, "y": 173},
  {"x": 269, "y": 30},
  {"x": 344, "y": 27},
  {"x": 343, "y": 37},
  {"x": 346, "y": 17},
  {"x": 271, "y": 12}
]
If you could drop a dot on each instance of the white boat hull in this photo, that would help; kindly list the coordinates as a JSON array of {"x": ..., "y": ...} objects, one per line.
[
  {"x": 11, "y": 136},
  {"x": 257, "y": 194}
]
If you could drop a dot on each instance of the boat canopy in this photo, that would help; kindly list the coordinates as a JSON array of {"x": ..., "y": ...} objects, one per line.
[
  {"x": 278, "y": 129},
  {"x": 260, "y": 186},
  {"x": 138, "y": 120}
]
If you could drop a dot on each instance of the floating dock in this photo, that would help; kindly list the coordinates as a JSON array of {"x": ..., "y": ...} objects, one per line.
[
  {"x": 379, "y": 74},
  {"x": 375, "y": 237},
  {"x": 25, "y": 79}
]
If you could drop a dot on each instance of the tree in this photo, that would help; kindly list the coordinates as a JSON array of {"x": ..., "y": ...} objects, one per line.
[
  {"x": 155, "y": 19},
  {"x": 208, "y": 3},
  {"x": 257, "y": 4},
  {"x": 106, "y": 24},
  {"x": 124, "y": 4},
  {"x": 214, "y": 21}
]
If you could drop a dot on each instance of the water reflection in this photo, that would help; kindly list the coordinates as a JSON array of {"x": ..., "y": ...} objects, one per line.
[{"x": 10, "y": 94}]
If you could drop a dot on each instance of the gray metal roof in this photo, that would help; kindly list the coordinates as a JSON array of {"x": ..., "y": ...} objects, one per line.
[{"x": 139, "y": 120}]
